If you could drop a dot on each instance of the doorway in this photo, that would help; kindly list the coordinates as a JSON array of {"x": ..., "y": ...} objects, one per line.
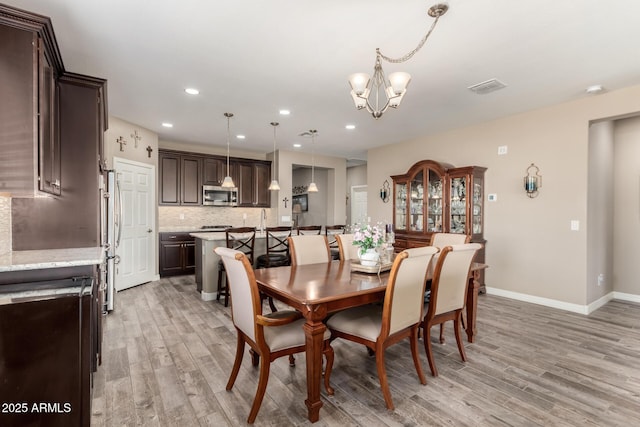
[
  {"x": 137, "y": 248},
  {"x": 358, "y": 204}
]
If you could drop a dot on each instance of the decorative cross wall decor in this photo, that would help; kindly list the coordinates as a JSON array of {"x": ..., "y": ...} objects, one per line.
[
  {"x": 122, "y": 142},
  {"x": 149, "y": 150},
  {"x": 285, "y": 200},
  {"x": 136, "y": 138}
]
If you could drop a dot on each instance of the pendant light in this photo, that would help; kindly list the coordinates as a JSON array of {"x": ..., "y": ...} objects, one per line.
[
  {"x": 274, "y": 182},
  {"x": 313, "y": 188},
  {"x": 228, "y": 181}
]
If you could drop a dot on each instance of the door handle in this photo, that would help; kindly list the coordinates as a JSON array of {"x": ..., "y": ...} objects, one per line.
[{"x": 149, "y": 231}]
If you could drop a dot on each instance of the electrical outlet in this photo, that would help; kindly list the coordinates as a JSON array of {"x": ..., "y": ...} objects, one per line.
[
  {"x": 502, "y": 150},
  {"x": 600, "y": 279},
  {"x": 181, "y": 216}
]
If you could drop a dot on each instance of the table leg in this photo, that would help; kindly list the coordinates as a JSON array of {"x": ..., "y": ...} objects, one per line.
[
  {"x": 314, "y": 332},
  {"x": 472, "y": 305}
]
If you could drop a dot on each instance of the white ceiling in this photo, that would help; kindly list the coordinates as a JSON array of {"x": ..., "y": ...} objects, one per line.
[{"x": 253, "y": 58}]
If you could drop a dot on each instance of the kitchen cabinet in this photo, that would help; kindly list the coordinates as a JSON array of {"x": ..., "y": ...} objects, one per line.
[
  {"x": 253, "y": 184},
  {"x": 177, "y": 254},
  {"x": 433, "y": 197},
  {"x": 214, "y": 169},
  {"x": 29, "y": 67},
  {"x": 180, "y": 178}
]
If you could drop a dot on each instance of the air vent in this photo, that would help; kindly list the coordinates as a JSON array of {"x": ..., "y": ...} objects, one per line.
[{"x": 488, "y": 86}]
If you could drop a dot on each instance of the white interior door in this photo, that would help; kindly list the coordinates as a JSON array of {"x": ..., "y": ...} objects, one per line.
[
  {"x": 137, "y": 249},
  {"x": 358, "y": 204}
]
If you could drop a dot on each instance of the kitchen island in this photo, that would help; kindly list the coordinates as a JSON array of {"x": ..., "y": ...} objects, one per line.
[{"x": 207, "y": 260}]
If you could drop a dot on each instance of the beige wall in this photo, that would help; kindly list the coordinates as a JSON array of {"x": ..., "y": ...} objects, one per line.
[
  {"x": 626, "y": 221},
  {"x": 5, "y": 223},
  {"x": 531, "y": 249}
]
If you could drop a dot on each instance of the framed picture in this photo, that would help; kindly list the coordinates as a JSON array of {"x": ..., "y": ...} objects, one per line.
[{"x": 302, "y": 200}]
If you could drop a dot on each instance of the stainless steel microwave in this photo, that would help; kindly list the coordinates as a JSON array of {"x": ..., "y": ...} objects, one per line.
[{"x": 218, "y": 196}]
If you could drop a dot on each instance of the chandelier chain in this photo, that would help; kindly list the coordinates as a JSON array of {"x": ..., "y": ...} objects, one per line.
[{"x": 409, "y": 55}]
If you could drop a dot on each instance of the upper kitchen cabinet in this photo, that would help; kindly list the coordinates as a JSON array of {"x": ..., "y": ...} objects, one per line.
[
  {"x": 30, "y": 65},
  {"x": 214, "y": 169},
  {"x": 253, "y": 183},
  {"x": 180, "y": 178}
]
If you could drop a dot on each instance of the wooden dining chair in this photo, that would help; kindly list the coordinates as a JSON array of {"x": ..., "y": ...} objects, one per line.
[
  {"x": 400, "y": 316},
  {"x": 271, "y": 335},
  {"x": 312, "y": 249},
  {"x": 241, "y": 239},
  {"x": 347, "y": 250},
  {"x": 448, "y": 294},
  {"x": 332, "y": 231},
  {"x": 440, "y": 240},
  {"x": 309, "y": 229}
]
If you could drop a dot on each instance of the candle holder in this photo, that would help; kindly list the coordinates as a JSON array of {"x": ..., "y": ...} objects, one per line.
[
  {"x": 385, "y": 191},
  {"x": 532, "y": 181}
]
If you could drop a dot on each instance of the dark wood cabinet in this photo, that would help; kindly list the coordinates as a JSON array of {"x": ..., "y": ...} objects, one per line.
[
  {"x": 177, "y": 254},
  {"x": 214, "y": 169},
  {"x": 49, "y": 175},
  {"x": 180, "y": 178},
  {"x": 190, "y": 180},
  {"x": 435, "y": 197},
  {"x": 253, "y": 184}
]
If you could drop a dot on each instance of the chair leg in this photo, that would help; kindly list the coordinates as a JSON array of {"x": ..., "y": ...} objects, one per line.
[
  {"x": 237, "y": 362},
  {"x": 414, "y": 352},
  {"x": 427, "y": 349},
  {"x": 441, "y": 333},
  {"x": 382, "y": 376},
  {"x": 255, "y": 357},
  {"x": 220, "y": 286},
  {"x": 328, "y": 354},
  {"x": 272, "y": 305},
  {"x": 456, "y": 326},
  {"x": 265, "y": 364},
  {"x": 226, "y": 290},
  {"x": 292, "y": 360}
]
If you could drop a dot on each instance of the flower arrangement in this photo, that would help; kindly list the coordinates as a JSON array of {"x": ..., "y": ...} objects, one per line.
[{"x": 368, "y": 237}]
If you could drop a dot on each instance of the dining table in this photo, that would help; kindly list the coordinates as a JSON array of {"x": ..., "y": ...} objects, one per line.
[{"x": 317, "y": 290}]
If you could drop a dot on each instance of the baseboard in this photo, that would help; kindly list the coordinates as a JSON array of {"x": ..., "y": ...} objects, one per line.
[
  {"x": 574, "y": 308},
  {"x": 208, "y": 296},
  {"x": 626, "y": 297}
]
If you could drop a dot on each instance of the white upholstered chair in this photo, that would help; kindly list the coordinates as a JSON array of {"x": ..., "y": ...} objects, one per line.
[
  {"x": 400, "y": 316},
  {"x": 309, "y": 249},
  {"x": 270, "y": 335},
  {"x": 440, "y": 240},
  {"x": 348, "y": 250},
  {"x": 448, "y": 294}
]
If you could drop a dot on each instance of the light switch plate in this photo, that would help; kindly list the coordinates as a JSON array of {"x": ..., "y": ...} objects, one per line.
[
  {"x": 285, "y": 218},
  {"x": 502, "y": 150},
  {"x": 492, "y": 197},
  {"x": 575, "y": 225}
]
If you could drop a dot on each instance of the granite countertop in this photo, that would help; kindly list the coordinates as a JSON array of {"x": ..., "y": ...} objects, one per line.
[
  {"x": 212, "y": 235},
  {"x": 180, "y": 229},
  {"x": 51, "y": 258}
]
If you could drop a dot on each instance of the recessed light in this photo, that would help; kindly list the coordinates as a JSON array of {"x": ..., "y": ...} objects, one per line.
[
  {"x": 594, "y": 89},
  {"x": 350, "y": 127},
  {"x": 240, "y": 136},
  {"x": 192, "y": 91},
  {"x": 296, "y": 145},
  {"x": 167, "y": 125},
  {"x": 285, "y": 112}
]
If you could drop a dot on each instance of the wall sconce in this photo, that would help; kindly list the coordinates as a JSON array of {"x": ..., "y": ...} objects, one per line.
[
  {"x": 385, "y": 191},
  {"x": 532, "y": 182}
]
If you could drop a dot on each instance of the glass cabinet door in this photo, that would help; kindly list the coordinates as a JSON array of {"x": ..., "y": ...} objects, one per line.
[
  {"x": 458, "y": 210},
  {"x": 401, "y": 206},
  {"x": 477, "y": 205},
  {"x": 434, "y": 203},
  {"x": 416, "y": 193}
]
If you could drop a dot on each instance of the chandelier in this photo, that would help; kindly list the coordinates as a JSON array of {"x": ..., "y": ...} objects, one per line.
[{"x": 377, "y": 94}]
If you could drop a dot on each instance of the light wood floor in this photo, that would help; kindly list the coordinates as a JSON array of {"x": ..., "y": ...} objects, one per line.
[{"x": 167, "y": 356}]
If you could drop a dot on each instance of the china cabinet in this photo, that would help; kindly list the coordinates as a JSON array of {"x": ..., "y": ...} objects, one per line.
[{"x": 433, "y": 197}]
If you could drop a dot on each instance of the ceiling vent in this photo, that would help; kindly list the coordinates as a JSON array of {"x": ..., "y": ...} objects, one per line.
[{"x": 488, "y": 86}]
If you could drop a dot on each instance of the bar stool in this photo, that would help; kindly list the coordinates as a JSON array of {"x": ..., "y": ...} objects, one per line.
[
  {"x": 241, "y": 239},
  {"x": 309, "y": 229},
  {"x": 331, "y": 231},
  {"x": 277, "y": 248}
]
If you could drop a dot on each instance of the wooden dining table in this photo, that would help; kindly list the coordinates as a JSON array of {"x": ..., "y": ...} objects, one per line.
[{"x": 316, "y": 290}]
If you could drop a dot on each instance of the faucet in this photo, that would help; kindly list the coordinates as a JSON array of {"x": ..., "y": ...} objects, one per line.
[{"x": 263, "y": 219}]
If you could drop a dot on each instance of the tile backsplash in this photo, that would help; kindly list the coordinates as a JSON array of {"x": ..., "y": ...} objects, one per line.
[
  {"x": 5, "y": 223},
  {"x": 197, "y": 216}
]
